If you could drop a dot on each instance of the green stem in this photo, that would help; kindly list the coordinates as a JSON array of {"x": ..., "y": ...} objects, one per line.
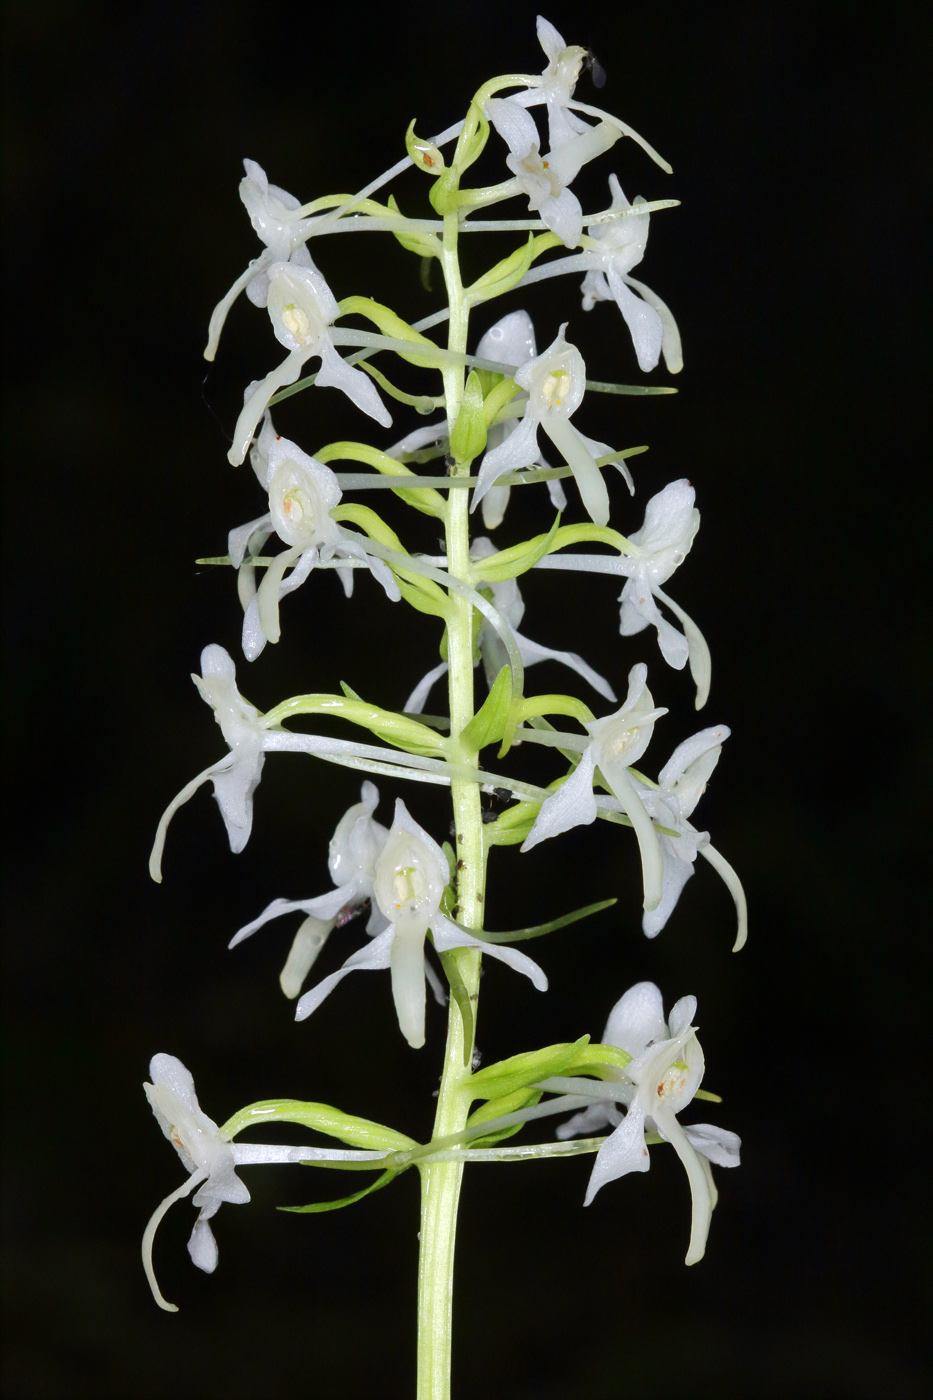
[{"x": 440, "y": 1181}]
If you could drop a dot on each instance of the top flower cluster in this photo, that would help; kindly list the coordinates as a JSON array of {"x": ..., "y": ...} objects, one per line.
[{"x": 303, "y": 309}]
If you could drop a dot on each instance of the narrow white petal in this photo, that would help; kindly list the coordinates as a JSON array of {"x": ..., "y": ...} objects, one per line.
[
  {"x": 700, "y": 661},
  {"x": 734, "y": 886},
  {"x": 676, "y": 874},
  {"x": 563, "y": 216},
  {"x": 325, "y": 906},
  {"x": 418, "y": 698},
  {"x": 587, "y": 475},
  {"x": 533, "y": 652},
  {"x": 150, "y": 1230},
  {"x": 158, "y": 845},
  {"x": 407, "y": 965},
  {"x": 255, "y": 406},
  {"x": 702, "y": 1213},
  {"x": 652, "y": 864},
  {"x": 374, "y": 957},
  {"x": 447, "y": 935},
  {"x": 219, "y": 314}
]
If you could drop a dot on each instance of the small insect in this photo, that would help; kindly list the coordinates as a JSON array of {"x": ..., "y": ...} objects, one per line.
[
  {"x": 350, "y": 911},
  {"x": 595, "y": 69},
  {"x": 461, "y": 864}
]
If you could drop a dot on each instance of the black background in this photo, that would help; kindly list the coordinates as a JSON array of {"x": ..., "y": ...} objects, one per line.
[{"x": 794, "y": 268}]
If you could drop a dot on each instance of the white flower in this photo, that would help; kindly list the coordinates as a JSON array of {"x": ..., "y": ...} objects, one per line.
[
  {"x": 351, "y": 860},
  {"x": 545, "y": 180},
  {"x": 250, "y": 737},
  {"x": 302, "y": 494},
  {"x": 302, "y": 307},
  {"x": 681, "y": 783},
  {"x": 659, "y": 1082},
  {"x": 622, "y": 247},
  {"x": 211, "y": 1159},
  {"x": 555, "y": 87},
  {"x": 616, "y": 742},
  {"x": 272, "y": 214},
  {"x": 511, "y": 341},
  {"x": 658, "y": 548},
  {"x": 411, "y": 875},
  {"x": 555, "y": 381}
]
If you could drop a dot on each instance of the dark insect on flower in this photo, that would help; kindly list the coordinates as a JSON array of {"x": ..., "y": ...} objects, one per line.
[{"x": 350, "y": 911}]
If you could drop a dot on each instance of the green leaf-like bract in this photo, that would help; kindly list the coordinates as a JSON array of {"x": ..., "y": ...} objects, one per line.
[
  {"x": 488, "y": 724},
  {"x": 317, "y": 1207},
  {"x": 346, "y": 1127}
]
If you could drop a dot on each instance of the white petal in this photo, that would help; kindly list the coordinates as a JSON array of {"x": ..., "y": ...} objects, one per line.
[
  {"x": 573, "y": 804},
  {"x": 357, "y": 386},
  {"x": 255, "y": 406},
  {"x": 643, "y": 322},
  {"x": 374, "y": 957},
  {"x": 520, "y": 449},
  {"x": 734, "y": 886},
  {"x": 511, "y": 340},
  {"x": 683, "y": 1014},
  {"x": 309, "y": 940},
  {"x": 253, "y": 639},
  {"x": 325, "y": 906},
  {"x": 149, "y": 1235},
  {"x": 649, "y": 847},
  {"x": 238, "y": 539},
  {"x": 513, "y": 124},
  {"x": 676, "y": 874},
  {"x": 407, "y": 965},
  {"x": 202, "y": 1246},
  {"x": 235, "y": 780},
  {"x": 637, "y": 1019},
  {"x": 699, "y": 1184},
  {"x": 588, "y": 1120},
  {"x": 563, "y": 216},
  {"x": 718, "y": 1144},
  {"x": 579, "y": 459},
  {"x": 158, "y": 845},
  {"x": 417, "y": 699},
  {"x": 447, "y": 935},
  {"x": 532, "y": 652},
  {"x": 700, "y": 660},
  {"x": 625, "y": 1151},
  {"x": 495, "y": 503},
  {"x": 670, "y": 344}
]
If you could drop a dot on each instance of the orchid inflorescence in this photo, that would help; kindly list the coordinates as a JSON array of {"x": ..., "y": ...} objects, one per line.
[{"x": 501, "y": 410}]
